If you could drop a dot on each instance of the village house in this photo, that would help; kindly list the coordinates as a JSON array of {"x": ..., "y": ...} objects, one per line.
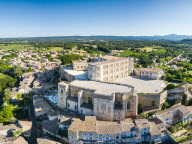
[
  {"x": 153, "y": 73},
  {"x": 9, "y": 130},
  {"x": 93, "y": 131},
  {"x": 177, "y": 113},
  {"x": 13, "y": 140},
  {"x": 41, "y": 106},
  {"x": 46, "y": 140}
]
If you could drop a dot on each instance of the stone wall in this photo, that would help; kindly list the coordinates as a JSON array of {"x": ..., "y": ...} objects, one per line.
[
  {"x": 152, "y": 99},
  {"x": 65, "y": 76},
  {"x": 81, "y": 66}
]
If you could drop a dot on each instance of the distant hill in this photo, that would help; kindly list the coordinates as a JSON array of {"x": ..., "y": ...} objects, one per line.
[{"x": 105, "y": 38}]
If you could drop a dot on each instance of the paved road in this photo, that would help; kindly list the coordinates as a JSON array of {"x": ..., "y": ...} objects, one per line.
[
  {"x": 173, "y": 59},
  {"x": 32, "y": 138}
]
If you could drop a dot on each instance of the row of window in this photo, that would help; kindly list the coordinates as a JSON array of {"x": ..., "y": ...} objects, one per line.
[
  {"x": 81, "y": 67},
  {"x": 122, "y": 135},
  {"x": 146, "y": 73}
]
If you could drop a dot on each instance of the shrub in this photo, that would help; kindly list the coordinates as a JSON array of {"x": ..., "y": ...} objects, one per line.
[{"x": 170, "y": 86}]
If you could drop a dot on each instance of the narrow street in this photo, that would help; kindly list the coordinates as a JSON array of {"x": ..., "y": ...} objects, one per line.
[{"x": 32, "y": 138}]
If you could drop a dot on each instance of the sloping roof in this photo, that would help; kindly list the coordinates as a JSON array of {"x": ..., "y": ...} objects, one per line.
[
  {"x": 20, "y": 140},
  {"x": 26, "y": 125},
  {"x": 169, "y": 112},
  {"x": 149, "y": 69},
  {"x": 9, "y": 126},
  {"x": 46, "y": 140},
  {"x": 51, "y": 126},
  {"x": 102, "y": 87},
  {"x": 65, "y": 121},
  {"x": 105, "y": 127},
  {"x": 154, "y": 129},
  {"x": 189, "y": 108}
]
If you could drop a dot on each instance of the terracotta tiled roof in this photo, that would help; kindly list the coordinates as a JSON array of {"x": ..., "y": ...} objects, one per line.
[
  {"x": 189, "y": 108},
  {"x": 104, "y": 127},
  {"x": 169, "y": 112},
  {"x": 150, "y": 69}
]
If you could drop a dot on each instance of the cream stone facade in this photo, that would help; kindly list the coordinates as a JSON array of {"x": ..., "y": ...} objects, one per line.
[
  {"x": 106, "y": 101},
  {"x": 80, "y": 65},
  {"x": 110, "y": 68},
  {"x": 105, "y": 68},
  {"x": 153, "y": 73},
  {"x": 99, "y": 132}
]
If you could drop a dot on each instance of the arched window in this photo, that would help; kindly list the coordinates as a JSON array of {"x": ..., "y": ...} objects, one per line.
[
  {"x": 61, "y": 91},
  {"x": 89, "y": 100},
  {"x": 128, "y": 105}
]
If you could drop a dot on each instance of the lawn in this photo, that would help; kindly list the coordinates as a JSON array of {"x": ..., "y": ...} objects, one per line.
[
  {"x": 6, "y": 47},
  {"x": 127, "y": 53},
  {"x": 150, "y": 48}
]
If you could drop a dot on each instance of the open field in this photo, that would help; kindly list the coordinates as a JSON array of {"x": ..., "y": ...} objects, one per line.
[
  {"x": 148, "y": 49},
  {"x": 55, "y": 49},
  {"x": 158, "y": 51},
  {"x": 15, "y": 47},
  {"x": 128, "y": 53}
]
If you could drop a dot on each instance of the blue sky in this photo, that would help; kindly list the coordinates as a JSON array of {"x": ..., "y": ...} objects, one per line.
[{"x": 29, "y": 18}]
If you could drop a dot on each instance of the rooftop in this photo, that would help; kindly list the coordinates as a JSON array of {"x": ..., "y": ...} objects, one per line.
[
  {"x": 150, "y": 69},
  {"x": 102, "y": 87},
  {"x": 106, "y": 127},
  {"x": 143, "y": 85},
  {"x": 46, "y": 140},
  {"x": 108, "y": 59},
  {"x": 169, "y": 112},
  {"x": 51, "y": 126},
  {"x": 80, "y": 75}
]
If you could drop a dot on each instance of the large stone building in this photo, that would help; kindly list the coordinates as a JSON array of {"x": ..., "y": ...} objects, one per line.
[
  {"x": 106, "y": 101},
  {"x": 153, "y": 73},
  {"x": 106, "y": 68},
  {"x": 99, "y": 132},
  {"x": 110, "y": 68}
]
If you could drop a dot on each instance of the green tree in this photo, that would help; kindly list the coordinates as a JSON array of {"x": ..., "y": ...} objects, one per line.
[
  {"x": 170, "y": 86},
  {"x": 17, "y": 71},
  {"x": 184, "y": 100},
  {"x": 165, "y": 105},
  {"x": 6, "y": 96},
  {"x": 143, "y": 115},
  {"x": 6, "y": 114},
  {"x": 19, "y": 96},
  {"x": 173, "y": 129}
]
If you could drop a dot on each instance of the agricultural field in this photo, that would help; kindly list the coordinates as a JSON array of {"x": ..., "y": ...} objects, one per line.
[
  {"x": 6, "y": 47},
  {"x": 148, "y": 49},
  {"x": 127, "y": 53},
  {"x": 55, "y": 49}
]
